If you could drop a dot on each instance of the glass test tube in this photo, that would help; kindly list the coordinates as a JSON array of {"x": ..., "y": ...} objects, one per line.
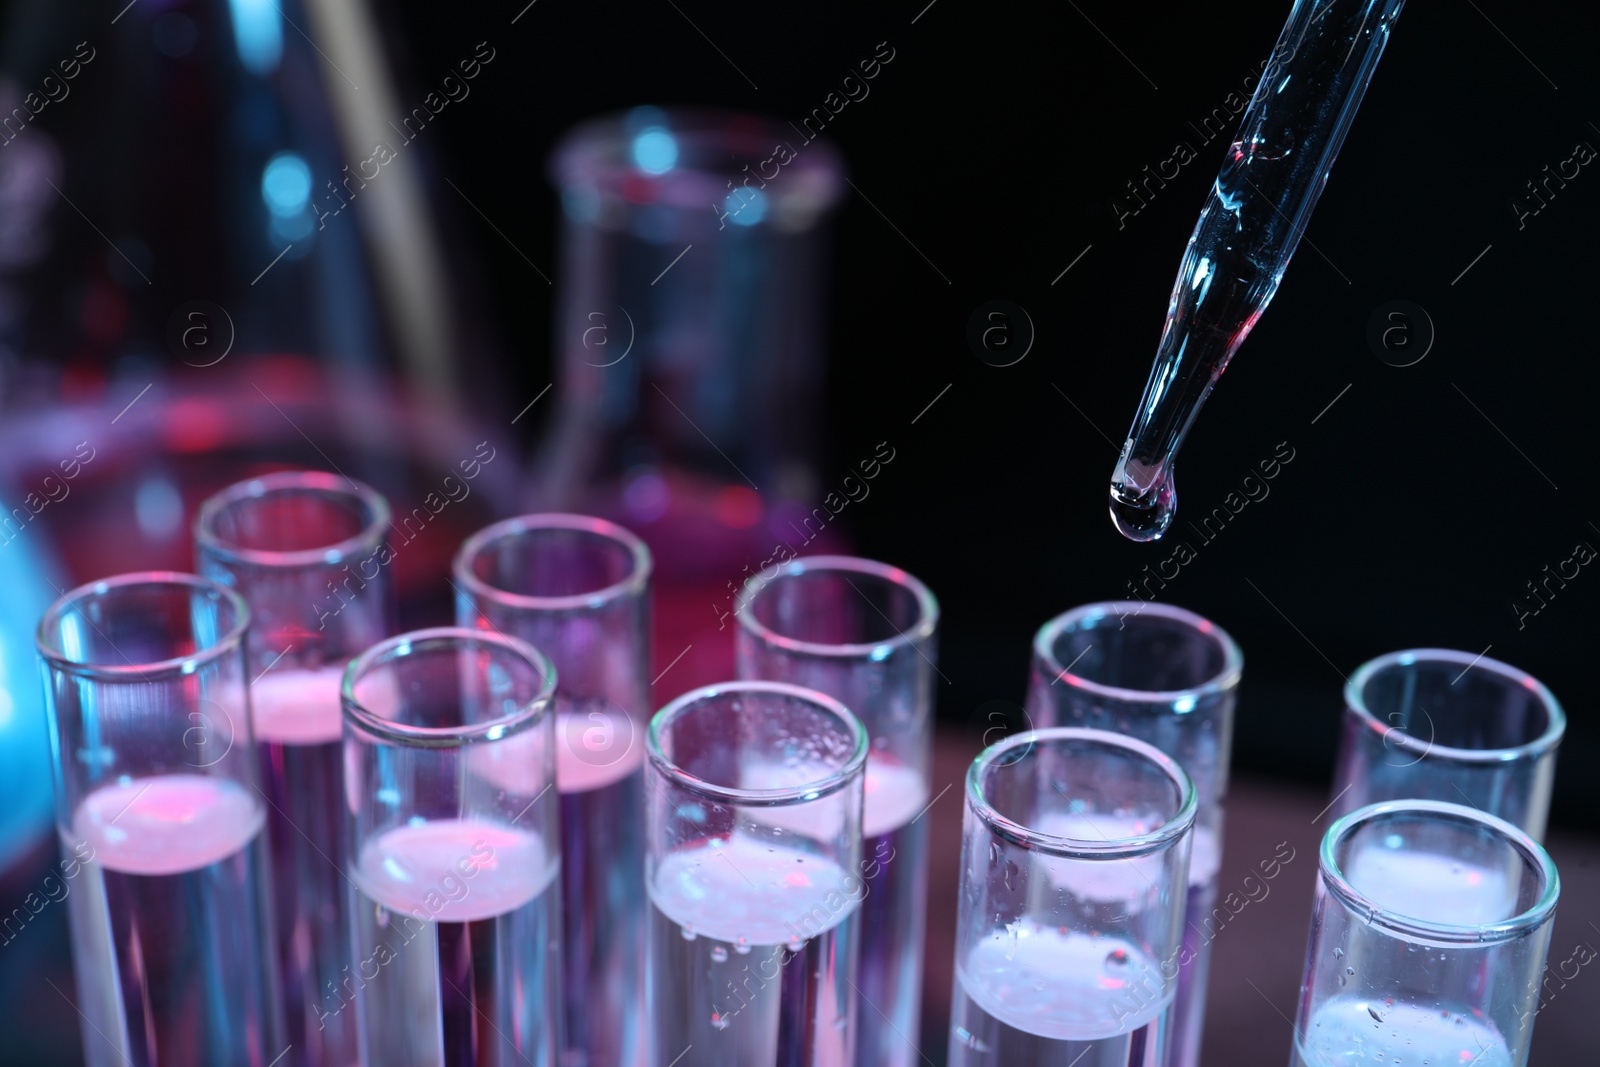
[
  {"x": 158, "y": 809},
  {"x": 578, "y": 588},
  {"x": 307, "y": 552},
  {"x": 1441, "y": 725},
  {"x": 754, "y": 796},
  {"x": 865, "y": 634},
  {"x": 454, "y": 851},
  {"x": 1168, "y": 677},
  {"x": 1075, "y": 854},
  {"x": 1428, "y": 938}
]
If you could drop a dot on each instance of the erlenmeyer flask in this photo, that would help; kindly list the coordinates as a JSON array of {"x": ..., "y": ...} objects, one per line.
[{"x": 689, "y": 337}]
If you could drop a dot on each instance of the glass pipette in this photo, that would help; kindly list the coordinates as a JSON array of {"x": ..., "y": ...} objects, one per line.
[{"x": 1249, "y": 228}]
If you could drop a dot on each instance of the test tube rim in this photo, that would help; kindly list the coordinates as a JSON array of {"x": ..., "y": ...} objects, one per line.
[
  {"x": 1333, "y": 879},
  {"x": 357, "y": 546},
  {"x": 854, "y": 768},
  {"x": 634, "y": 584},
  {"x": 1181, "y": 822},
  {"x": 157, "y": 670},
  {"x": 927, "y": 608},
  {"x": 1355, "y": 704},
  {"x": 370, "y": 724},
  {"x": 1225, "y": 679}
]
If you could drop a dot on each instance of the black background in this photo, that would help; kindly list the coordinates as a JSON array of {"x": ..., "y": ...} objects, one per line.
[{"x": 1416, "y": 507}]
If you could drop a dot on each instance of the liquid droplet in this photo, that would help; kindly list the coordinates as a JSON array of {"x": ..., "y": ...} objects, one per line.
[
  {"x": 1116, "y": 959},
  {"x": 687, "y": 932},
  {"x": 719, "y": 954},
  {"x": 1374, "y": 1013},
  {"x": 1350, "y": 970},
  {"x": 742, "y": 946},
  {"x": 1338, "y": 953},
  {"x": 720, "y": 1022},
  {"x": 1142, "y": 515}
]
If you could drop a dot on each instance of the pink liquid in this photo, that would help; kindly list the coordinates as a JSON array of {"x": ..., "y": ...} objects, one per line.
[
  {"x": 893, "y": 866},
  {"x": 457, "y": 939},
  {"x": 895, "y": 794},
  {"x": 455, "y": 870},
  {"x": 298, "y": 729},
  {"x": 297, "y": 707},
  {"x": 592, "y": 752},
  {"x": 1134, "y": 881},
  {"x": 751, "y": 946},
  {"x": 168, "y": 923},
  {"x": 1028, "y": 994},
  {"x": 167, "y": 824},
  {"x": 599, "y": 759},
  {"x": 600, "y": 772}
]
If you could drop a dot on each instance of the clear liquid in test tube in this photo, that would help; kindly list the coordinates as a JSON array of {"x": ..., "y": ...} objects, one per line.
[
  {"x": 158, "y": 800},
  {"x": 308, "y": 552},
  {"x": 866, "y": 634},
  {"x": 578, "y": 589},
  {"x": 754, "y": 796},
  {"x": 1429, "y": 934},
  {"x": 1075, "y": 848},
  {"x": 455, "y": 852},
  {"x": 1169, "y": 677}
]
